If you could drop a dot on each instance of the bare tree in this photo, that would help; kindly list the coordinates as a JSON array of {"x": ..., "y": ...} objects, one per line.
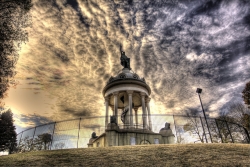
[
  {"x": 25, "y": 144},
  {"x": 194, "y": 124},
  {"x": 240, "y": 114},
  {"x": 179, "y": 132},
  {"x": 59, "y": 145},
  {"x": 233, "y": 125},
  {"x": 223, "y": 128},
  {"x": 45, "y": 138},
  {"x": 29, "y": 144}
]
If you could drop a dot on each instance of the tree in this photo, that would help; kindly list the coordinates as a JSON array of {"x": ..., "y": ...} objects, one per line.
[
  {"x": 25, "y": 144},
  {"x": 223, "y": 125},
  {"x": 238, "y": 118},
  {"x": 7, "y": 132},
  {"x": 59, "y": 145},
  {"x": 38, "y": 143},
  {"x": 194, "y": 124},
  {"x": 179, "y": 138},
  {"x": 14, "y": 18},
  {"x": 246, "y": 94},
  {"x": 240, "y": 114},
  {"x": 234, "y": 123},
  {"x": 194, "y": 127},
  {"x": 45, "y": 138}
]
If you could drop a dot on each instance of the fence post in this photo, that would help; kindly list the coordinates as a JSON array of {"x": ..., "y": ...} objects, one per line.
[
  {"x": 33, "y": 137},
  {"x": 78, "y": 131},
  {"x": 204, "y": 115},
  {"x": 20, "y": 138},
  {"x": 204, "y": 133},
  {"x": 248, "y": 137},
  {"x": 229, "y": 131},
  {"x": 17, "y": 147},
  {"x": 52, "y": 135},
  {"x": 175, "y": 129},
  {"x": 218, "y": 130}
]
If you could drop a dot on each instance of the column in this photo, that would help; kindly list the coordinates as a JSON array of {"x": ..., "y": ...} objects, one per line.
[
  {"x": 144, "y": 118},
  {"x": 107, "y": 111},
  {"x": 116, "y": 106},
  {"x": 136, "y": 117},
  {"x": 149, "y": 115},
  {"x": 112, "y": 108},
  {"x": 130, "y": 101}
]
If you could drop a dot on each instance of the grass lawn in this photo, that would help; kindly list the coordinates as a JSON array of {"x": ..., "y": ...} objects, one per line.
[{"x": 146, "y": 155}]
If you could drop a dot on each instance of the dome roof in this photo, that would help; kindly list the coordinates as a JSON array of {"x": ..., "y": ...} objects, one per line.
[
  {"x": 126, "y": 77},
  {"x": 126, "y": 74}
]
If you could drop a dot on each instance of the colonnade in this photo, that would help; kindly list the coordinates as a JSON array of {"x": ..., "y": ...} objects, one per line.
[{"x": 146, "y": 116}]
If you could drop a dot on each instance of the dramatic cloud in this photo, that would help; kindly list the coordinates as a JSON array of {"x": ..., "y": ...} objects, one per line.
[
  {"x": 176, "y": 46},
  {"x": 24, "y": 121}
]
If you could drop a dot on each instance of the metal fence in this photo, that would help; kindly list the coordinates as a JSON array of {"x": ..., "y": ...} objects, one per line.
[{"x": 77, "y": 132}]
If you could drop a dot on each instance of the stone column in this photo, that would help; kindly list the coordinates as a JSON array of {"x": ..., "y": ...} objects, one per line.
[
  {"x": 116, "y": 105},
  {"x": 149, "y": 115},
  {"x": 136, "y": 117},
  {"x": 130, "y": 101},
  {"x": 144, "y": 118},
  {"x": 112, "y": 108},
  {"x": 107, "y": 111}
]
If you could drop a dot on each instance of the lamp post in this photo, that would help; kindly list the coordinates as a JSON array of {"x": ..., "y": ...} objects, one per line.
[{"x": 199, "y": 92}]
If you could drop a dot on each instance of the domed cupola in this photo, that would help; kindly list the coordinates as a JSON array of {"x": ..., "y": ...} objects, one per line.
[
  {"x": 126, "y": 76},
  {"x": 127, "y": 91}
]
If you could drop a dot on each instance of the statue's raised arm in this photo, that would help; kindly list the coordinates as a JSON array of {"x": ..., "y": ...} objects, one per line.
[{"x": 125, "y": 61}]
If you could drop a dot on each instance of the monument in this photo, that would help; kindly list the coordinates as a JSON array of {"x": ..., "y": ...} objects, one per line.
[{"x": 125, "y": 94}]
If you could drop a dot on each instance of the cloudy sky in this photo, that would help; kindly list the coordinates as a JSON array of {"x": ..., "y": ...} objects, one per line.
[{"x": 176, "y": 45}]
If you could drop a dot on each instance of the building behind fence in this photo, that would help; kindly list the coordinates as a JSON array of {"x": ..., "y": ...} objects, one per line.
[{"x": 76, "y": 133}]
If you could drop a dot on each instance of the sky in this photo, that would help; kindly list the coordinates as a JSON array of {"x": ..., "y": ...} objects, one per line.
[{"x": 176, "y": 45}]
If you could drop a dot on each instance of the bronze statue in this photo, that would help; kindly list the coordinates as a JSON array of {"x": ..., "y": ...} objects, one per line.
[
  {"x": 113, "y": 119},
  {"x": 167, "y": 126},
  {"x": 94, "y": 135},
  {"x": 125, "y": 61},
  {"x": 124, "y": 112}
]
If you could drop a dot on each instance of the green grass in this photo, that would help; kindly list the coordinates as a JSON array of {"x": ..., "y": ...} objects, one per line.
[{"x": 149, "y": 155}]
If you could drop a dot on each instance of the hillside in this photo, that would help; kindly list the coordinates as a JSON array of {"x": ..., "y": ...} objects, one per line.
[{"x": 147, "y": 155}]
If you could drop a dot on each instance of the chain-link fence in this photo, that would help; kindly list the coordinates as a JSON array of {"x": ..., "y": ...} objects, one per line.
[{"x": 77, "y": 132}]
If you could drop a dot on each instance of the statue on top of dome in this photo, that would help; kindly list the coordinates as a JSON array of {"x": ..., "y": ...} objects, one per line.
[{"x": 125, "y": 61}]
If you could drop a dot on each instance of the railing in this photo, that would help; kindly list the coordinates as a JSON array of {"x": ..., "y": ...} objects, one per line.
[
  {"x": 135, "y": 126},
  {"x": 77, "y": 132}
]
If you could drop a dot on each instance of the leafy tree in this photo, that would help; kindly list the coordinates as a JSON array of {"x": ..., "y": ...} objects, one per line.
[
  {"x": 14, "y": 19},
  {"x": 7, "y": 132},
  {"x": 246, "y": 94}
]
